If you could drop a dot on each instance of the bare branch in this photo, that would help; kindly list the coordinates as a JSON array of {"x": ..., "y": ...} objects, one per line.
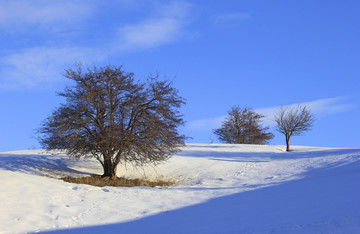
[{"x": 293, "y": 121}]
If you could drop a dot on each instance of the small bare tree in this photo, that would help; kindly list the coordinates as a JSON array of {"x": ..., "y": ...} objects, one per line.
[
  {"x": 293, "y": 122},
  {"x": 242, "y": 126},
  {"x": 109, "y": 116}
]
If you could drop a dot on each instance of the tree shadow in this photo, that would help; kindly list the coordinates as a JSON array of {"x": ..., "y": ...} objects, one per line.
[{"x": 48, "y": 165}]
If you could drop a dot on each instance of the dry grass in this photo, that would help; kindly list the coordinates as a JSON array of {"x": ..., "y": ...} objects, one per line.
[{"x": 97, "y": 180}]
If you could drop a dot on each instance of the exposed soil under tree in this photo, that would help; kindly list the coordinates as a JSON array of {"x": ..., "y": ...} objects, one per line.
[{"x": 97, "y": 180}]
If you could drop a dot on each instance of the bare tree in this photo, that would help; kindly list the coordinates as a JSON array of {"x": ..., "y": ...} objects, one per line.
[
  {"x": 109, "y": 116},
  {"x": 242, "y": 126},
  {"x": 293, "y": 122}
]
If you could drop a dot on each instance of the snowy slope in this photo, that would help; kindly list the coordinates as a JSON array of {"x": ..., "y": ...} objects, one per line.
[{"x": 221, "y": 189}]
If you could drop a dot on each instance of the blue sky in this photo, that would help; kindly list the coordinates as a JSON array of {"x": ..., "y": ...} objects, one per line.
[{"x": 257, "y": 54}]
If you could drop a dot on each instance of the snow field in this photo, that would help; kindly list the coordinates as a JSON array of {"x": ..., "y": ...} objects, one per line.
[{"x": 220, "y": 189}]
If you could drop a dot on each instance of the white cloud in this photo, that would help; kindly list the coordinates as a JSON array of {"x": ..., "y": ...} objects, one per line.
[
  {"x": 165, "y": 26},
  {"x": 24, "y": 15},
  {"x": 329, "y": 105},
  {"x": 39, "y": 66},
  {"x": 149, "y": 34},
  {"x": 35, "y": 65},
  {"x": 319, "y": 107}
]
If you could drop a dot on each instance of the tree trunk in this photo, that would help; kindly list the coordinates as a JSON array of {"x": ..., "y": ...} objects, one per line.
[
  {"x": 109, "y": 168},
  {"x": 288, "y": 144}
]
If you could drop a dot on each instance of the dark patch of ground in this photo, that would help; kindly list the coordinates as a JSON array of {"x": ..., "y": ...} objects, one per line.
[{"x": 97, "y": 180}]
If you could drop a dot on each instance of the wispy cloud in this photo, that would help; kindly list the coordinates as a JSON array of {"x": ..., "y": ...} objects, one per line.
[
  {"x": 25, "y": 15},
  {"x": 330, "y": 105},
  {"x": 148, "y": 34},
  {"x": 166, "y": 25},
  {"x": 42, "y": 57},
  {"x": 37, "y": 58},
  {"x": 39, "y": 66},
  {"x": 321, "y": 107}
]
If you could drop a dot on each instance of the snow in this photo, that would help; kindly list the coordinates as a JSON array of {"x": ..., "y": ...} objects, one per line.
[{"x": 220, "y": 189}]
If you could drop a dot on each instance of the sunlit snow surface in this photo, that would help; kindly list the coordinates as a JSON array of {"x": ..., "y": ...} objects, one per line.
[{"x": 221, "y": 189}]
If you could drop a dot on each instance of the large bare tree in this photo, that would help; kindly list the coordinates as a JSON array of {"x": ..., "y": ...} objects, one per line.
[
  {"x": 293, "y": 121},
  {"x": 110, "y": 116},
  {"x": 242, "y": 126}
]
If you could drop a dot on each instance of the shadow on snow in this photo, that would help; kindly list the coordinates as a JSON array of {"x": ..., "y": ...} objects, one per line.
[
  {"x": 322, "y": 202},
  {"x": 265, "y": 156},
  {"x": 50, "y": 165}
]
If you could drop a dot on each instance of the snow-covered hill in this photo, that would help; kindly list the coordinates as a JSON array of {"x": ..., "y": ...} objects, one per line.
[{"x": 221, "y": 189}]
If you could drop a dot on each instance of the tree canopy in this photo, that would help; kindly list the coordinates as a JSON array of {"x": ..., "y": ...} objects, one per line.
[
  {"x": 115, "y": 119},
  {"x": 293, "y": 121},
  {"x": 243, "y": 126}
]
